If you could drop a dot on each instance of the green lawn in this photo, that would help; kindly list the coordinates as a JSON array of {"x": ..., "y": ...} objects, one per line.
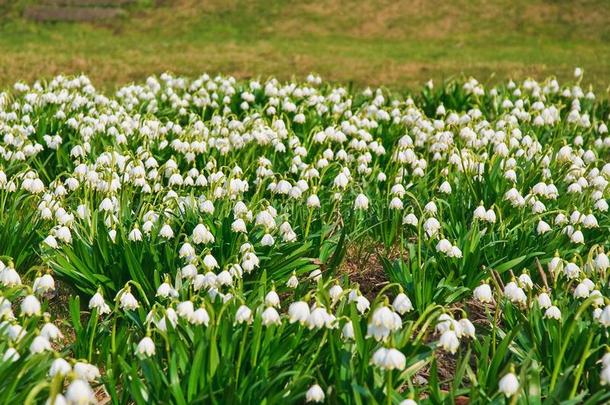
[{"x": 395, "y": 43}]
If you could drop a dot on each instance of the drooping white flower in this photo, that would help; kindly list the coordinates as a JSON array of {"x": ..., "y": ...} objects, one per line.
[
  {"x": 86, "y": 371},
  {"x": 515, "y": 293},
  {"x": 9, "y": 277},
  {"x": 449, "y": 341},
  {"x": 483, "y": 293},
  {"x": 348, "y": 330},
  {"x": 127, "y": 301},
  {"x": 10, "y": 355},
  {"x": 389, "y": 359},
  {"x": 509, "y": 384},
  {"x": 271, "y": 317},
  {"x": 80, "y": 393},
  {"x": 59, "y": 366},
  {"x": 39, "y": 345},
  {"x": 51, "y": 332},
  {"x": 335, "y": 292},
  {"x": 44, "y": 284},
  {"x": 30, "y": 306},
  {"x": 544, "y": 300},
  {"x": 314, "y": 394},
  {"x": 402, "y": 304},
  {"x": 293, "y": 281},
  {"x": 553, "y": 313},
  {"x": 146, "y": 347},
  {"x": 243, "y": 314},
  {"x": 272, "y": 299},
  {"x": 97, "y": 302},
  {"x": 361, "y": 202},
  {"x": 298, "y": 312}
]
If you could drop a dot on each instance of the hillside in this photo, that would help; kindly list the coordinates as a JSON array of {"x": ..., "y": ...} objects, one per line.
[{"x": 398, "y": 43}]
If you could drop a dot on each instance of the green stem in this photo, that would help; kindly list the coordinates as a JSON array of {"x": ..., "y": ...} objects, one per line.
[{"x": 389, "y": 387}]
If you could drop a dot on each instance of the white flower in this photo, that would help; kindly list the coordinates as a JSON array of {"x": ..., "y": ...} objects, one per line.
[
  {"x": 431, "y": 208},
  {"x": 239, "y": 226},
  {"x": 135, "y": 235},
  {"x": 315, "y": 275},
  {"x": 85, "y": 371},
  {"x": 44, "y": 284},
  {"x": 396, "y": 203},
  {"x": 10, "y": 355},
  {"x": 602, "y": 262},
  {"x": 293, "y": 282},
  {"x": 362, "y": 304},
  {"x": 209, "y": 262},
  {"x": 577, "y": 237},
  {"x": 39, "y": 345},
  {"x": 30, "y": 306},
  {"x": 571, "y": 270},
  {"x": 298, "y": 312},
  {"x": 313, "y": 201},
  {"x": 410, "y": 219},
  {"x": 443, "y": 246},
  {"x": 604, "y": 317},
  {"x": 542, "y": 227},
  {"x": 243, "y": 314},
  {"x": 146, "y": 347},
  {"x": 480, "y": 213},
  {"x": 483, "y": 293},
  {"x": 604, "y": 376},
  {"x": 127, "y": 301},
  {"x": 467, "y": 328},
  {"x": 402, "y": 304},
  {"x": 348, "y": 330},
  {"x": 58, "y": 400},
  {"x": 9, "y": 277},
  {"x": 271, "y": 317},
  {"x": 51, "y": 332},
  {"x": 185, "y": 309},
  {"x": 166, "y": 231},
  {"x": 526, "y": 281},
  {"x": 445, "y": 188},
  {"x": 449, "y": 341},
  {"x": 556, "y": 264},
  {"x": 515, "y": 293},
  {"x": 80, "y": 393},
  {"x": 432, "y": 226},
  {"x": 335, "y": 292},
  {"x": 361, "y": 202},
  {"x": 165, "y": 290},
  {"x": 509, "y": 384},
  {"x": 63, "y": 234},
  {"x": 51, "y": 242},
  {"x": 97, "y": 302},
  {"x": 553, "y": 313},
  {"x": 59, "y": 366},
  {"x": 581, "y": 291},
  {"x": 267, "y": 240},
  {"x": 201, "y": 234},
  {"x": 544, "y": 300},
  {"x": 314, "y": 394},
  {"x": 200, "y": 317},
  {"x": 272, "y": 299},
  {"x": 389, "y": 359}
]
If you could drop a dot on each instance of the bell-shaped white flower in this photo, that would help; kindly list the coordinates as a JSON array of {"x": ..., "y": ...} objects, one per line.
[{"x": 314, "y": 394}]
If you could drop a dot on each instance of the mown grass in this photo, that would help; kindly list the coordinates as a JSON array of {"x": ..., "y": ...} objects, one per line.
[{"x": 395, "y": 43}]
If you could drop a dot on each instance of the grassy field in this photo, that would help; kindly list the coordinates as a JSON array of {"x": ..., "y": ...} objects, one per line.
[{"x": 395, "y": 43}]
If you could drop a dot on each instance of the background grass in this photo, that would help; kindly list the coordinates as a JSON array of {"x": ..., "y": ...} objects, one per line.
[{"x": 396, "y": 43}]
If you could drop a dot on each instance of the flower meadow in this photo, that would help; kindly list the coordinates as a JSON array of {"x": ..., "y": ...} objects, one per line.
[{"x": 212, "y": 240}]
